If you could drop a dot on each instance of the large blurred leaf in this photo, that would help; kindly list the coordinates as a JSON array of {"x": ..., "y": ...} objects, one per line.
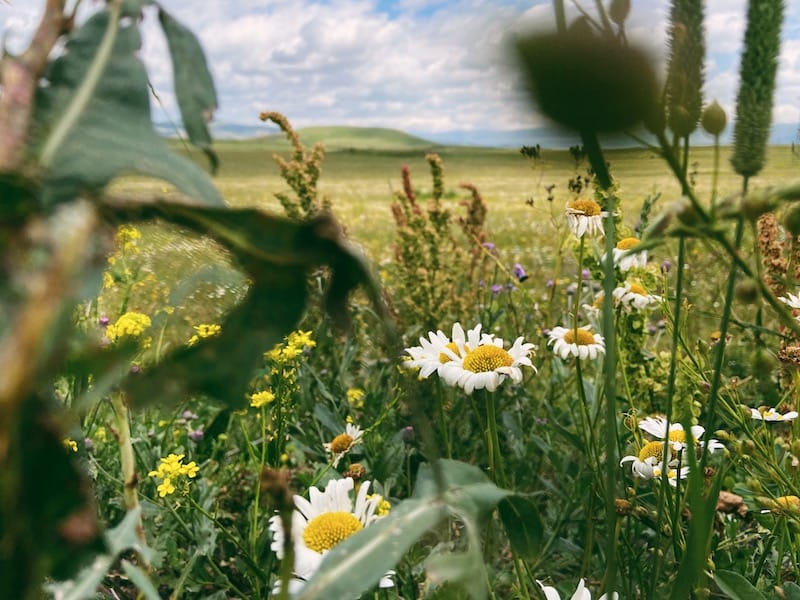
[
  {"x": 736, "y": 586},
  {"x": 277, "y": 255},
  {"x": 358, "y": 563},
  {"x": 114, "y": 134},
  {"x": 194, "y": 86}
]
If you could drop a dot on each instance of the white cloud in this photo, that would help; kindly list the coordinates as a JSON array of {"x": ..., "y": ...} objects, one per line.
[{"x": 423, "y": 66}]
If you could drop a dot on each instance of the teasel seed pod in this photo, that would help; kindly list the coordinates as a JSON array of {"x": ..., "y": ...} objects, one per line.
[
  {"x": 714, "y": 119},
  {"x": 756, "y": 85},
  {"x": 686, "y": 66}
]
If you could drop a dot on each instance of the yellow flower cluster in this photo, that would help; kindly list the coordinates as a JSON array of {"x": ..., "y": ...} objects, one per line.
[
  {"x": 131, "y": 324},
  {"x": 70, "y": 444},
  {"x": 355, "y": 397},
  {"x": 296, "y": 342},
  {"x": 260, "y": 399},
  {"x": 127, "y": 238},
  {"x": 171, "y": 470},
  {"x": 204, "y": 331},
  {"x": 384, "y": 506}
]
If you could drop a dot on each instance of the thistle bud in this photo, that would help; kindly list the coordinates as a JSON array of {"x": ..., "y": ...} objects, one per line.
[{"x": 714, "y": 119}]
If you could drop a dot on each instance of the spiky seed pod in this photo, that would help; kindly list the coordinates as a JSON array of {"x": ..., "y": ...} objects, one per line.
[
  {"x": 714, "y": 119},
  {"x": 618, "y": 10},
  {"x": 756, "y": 85},
  {"x": 686, "y": 65}
]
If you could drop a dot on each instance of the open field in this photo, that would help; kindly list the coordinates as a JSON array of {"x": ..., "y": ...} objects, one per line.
[{"x": 361, "y": 182}]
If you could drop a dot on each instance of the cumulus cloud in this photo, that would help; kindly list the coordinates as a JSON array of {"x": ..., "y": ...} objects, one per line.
[{"x": 416, "y": 65}]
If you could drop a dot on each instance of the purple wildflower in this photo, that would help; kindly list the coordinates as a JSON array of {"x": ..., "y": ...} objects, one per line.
[
  {"x": 519, "y": 272},
  {"x": 196, "y": 435},
  {"x": 497, "y": 288}
]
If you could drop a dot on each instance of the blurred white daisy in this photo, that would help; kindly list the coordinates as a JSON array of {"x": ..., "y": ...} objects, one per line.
[
  {"x": 649, "y": 463},
  {"x": 320, "y": 523},
  {"x": 793, "y": 300},
  {"x": 343, "y": 443},
  {"x": 762, "y": 413},
  {"x": 625, "y": 259},
  {"x": 486, "y": 364},
  {"x": 585, "y": 217},
  {"x": 634, "y": 295},
  {"x": 657, "y": 427},
  {"x": 581, "y": 343},
  {"x": 581, "y": 593}
]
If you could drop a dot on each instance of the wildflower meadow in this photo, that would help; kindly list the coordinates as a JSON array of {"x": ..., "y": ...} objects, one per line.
[{"x": 209, "y": 399}]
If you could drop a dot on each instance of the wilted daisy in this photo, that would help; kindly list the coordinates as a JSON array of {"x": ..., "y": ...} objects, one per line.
[
  {"x": 437, "y": 349},
  {"x": 634, "y": 295},
  {"x": 486, "y": 364},
  {"x": 580, "y": 343},
  {"x": 320, "y": 523},
  {"x": 657, "y": 427},
  {"x": 627, "y": 260},
  {"x": 344, "y": 442},
  {"x": 581, "y": 593},
  {"x": 585, "y": 216},
  {"x": 762, "y": 413}
]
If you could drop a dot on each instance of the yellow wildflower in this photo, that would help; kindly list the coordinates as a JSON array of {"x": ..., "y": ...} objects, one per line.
[
  {"x": 262, "y": 398},
  {"x": 300, "y": 339},
  {"x": 204, "y": 331},
  {"x": 383, "y": 505},
  {"x": 355, "y": 396},
  {"x": 165, "y": 488},
  {"x": 70, "y": 444},
  {"x": 131, "y": 324}
]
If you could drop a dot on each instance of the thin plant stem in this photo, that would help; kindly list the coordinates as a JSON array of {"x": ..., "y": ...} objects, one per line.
[{"x": 493, "y": 442}]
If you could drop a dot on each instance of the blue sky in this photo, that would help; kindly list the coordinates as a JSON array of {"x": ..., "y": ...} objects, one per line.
[{"x": 416, "y": 65}]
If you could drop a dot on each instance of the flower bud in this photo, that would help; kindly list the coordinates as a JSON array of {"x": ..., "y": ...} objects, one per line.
[{"x": 714, "y": 119}]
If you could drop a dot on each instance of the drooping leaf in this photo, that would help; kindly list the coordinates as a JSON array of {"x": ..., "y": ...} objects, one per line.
[
  {"x": 114, "y": 134},
  {"x": 792, "y": 590},
  {"x": 468, "y": 489},
  {"x": 194, "y": 87},
  {"x": 523, "y": 525},
  {"x": 276, "y": 254},
  {"x": 736, "y": 587}
]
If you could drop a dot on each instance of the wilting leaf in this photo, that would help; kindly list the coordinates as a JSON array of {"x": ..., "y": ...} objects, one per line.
[
  {"x": 588, "y": 83},
  {"x": 114, "y": 135},
  {"x": 194, "y": 86}
]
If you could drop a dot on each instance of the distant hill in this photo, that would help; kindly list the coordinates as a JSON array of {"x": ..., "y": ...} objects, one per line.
[{"x": 380, "y": 138}]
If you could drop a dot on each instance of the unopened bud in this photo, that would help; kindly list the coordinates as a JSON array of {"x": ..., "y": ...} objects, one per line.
[{"x": 714, "y": 119}]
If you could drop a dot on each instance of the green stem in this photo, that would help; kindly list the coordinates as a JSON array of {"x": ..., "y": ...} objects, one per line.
[
  {"x": 715, "y": 177},
  {"x": 86, "y": 89},
  {"x": 493, "y": 442}
]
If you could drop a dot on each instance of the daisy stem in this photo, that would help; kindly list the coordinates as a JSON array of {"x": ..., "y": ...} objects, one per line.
[{"x": 493, "y": 442}]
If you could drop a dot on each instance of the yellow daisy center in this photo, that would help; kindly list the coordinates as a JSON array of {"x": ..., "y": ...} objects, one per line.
[
  {"x": 487, "y": 358},
  {"x": 324, "y": 531},
  {"x": 443, "y": 358},
  {"x": 341, "y": 443},
  {"x": 652, "y": 450},
  {"x": 590, "y": 208},
  {"x": 584, "y": 337},
  {"x": 598, "y": 301},
  {"x": 638, "y": 289},
  {"x": 677, "y": 435},
  {"x": 627, "y": 243}
]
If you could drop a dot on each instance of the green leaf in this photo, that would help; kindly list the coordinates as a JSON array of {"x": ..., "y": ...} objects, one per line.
[
  {"x": 792, "y": 590},
  {"x": 141, "y": 580},
  {"x": 114, "y": 134},
  {"x": 520, "y": 517},
  {"x": 736, "y": 586},
  {"x": 358, "y": 563},
  {"x": 468, "y": 489},
  {"x": 465, "y": 568},
  {"x": 194, "y": 86}
]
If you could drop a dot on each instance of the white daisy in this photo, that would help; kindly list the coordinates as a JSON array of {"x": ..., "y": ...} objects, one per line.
[
  {"x": 633, "y": 295},
  {"x": 438, "y": 349},
  {"x": 486, "y": 364},
  {"x": 581, "y": 593},
  {"x": 343, "y": 443},
  {"x": 320, "y": 523},
  {"x": 762, "y": 413},
  {"x": 585, "y": 216},
  {"x": 581, "y": 343},
  {"x": 793, "y": 301},
  {"x": 657, "y": 427},
  {"x": 627, "y": 260},
  {"x": 649, "y": 463}
]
